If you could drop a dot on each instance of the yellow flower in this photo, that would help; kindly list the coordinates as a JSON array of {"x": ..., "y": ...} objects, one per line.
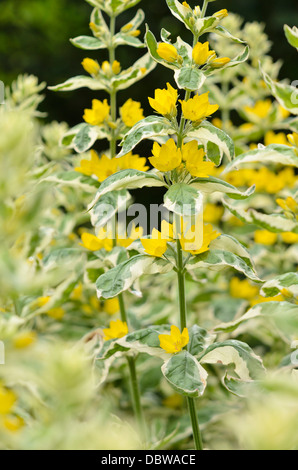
[
  {"x": 7, "y": 400},
  {"x": 221, "y": 14},
  {"x": 13, "y": 423},
  {"x": 91, "y": 66},
  {"x": 157, "y": 244},
  {"x": 288, "y": 204},
  {"x": 198, "y": 108},
  {"x": 95, "y": 243},
  {"x": 166, "y": 157},
  {"x": 167, "y": 52},
  {"x": 209, "y": 234},
  {"x": 212, "y": 213},
  {"x": 77, "y": 293},
  {"x": 174, "y": 342},
  {"x": 260, "y": 110},
  {"x": 116, "y": 67},
  {"x": 24, "y": 339},
  {"x": 220, "y": 62},
  {"x": 293, "y": 139},
  {"x": 272, "y": 138},
  {"x": 135, "y": 234},
  {"x": 111, "y": 306},
  {"x": 290, "y": 237},
  {"x": 117, "y": 329},
  {"x": 201, "y": 53},
  {"x": 242, "y": 289},
  {"x": 57, "y": 313},
  {"x": 165, "y": 101},
  {"x": 194, "y": 159},
  {"x": 98, "y": 114},
  {"x": 41, "y": 301},
  {"x": 131, "y": 113},
  {"x": 265, "y": 237},
  {"x": 105, "y": 166}
]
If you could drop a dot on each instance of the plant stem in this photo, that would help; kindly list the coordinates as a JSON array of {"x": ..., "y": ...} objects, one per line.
[
  {"x": 135, "y": 391},
  {"x": 183, "y": 324},
  {"x": 204, "y": 9}
]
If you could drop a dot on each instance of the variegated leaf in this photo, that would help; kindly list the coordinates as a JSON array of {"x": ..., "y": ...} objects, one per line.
[
  {"x": 211, "y": 185},
  {"x": 183, "y": 200}
]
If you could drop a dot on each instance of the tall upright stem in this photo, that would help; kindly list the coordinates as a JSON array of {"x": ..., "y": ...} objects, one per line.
[
  {"x": 135, "y": 391},
  {"x": 183, "y": 307}
]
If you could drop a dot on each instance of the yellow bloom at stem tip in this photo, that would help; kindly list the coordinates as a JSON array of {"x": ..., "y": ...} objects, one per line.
[
  {"x": 167, "y": 52},
  {"x": 164, "y": 101},
  {"x": 91, "y": 66},
  {"x": 194, "y": 160},
  {"x": 201, "y": 53},
  {"x": 104, "y": 166},
  {"x": 198, "y": 107},
  {"x": 131, "y": 113},
  {"x": 98, "y": 114},
  {"x": 166, "y": 157},
  {"x": 175, "y": 341},
  {"x": 117, "y": 329}
]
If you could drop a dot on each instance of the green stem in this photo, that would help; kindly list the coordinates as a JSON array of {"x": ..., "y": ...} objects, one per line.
[
  {"x": 204, "y": 9},
  {"x": 135, "y": 391},
  {"x": 183, "y": 324}
]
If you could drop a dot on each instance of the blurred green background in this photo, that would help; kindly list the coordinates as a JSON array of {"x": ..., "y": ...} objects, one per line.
[{"x": 34, "y": 38}]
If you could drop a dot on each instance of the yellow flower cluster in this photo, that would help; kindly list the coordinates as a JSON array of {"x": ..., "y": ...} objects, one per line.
[
  {"x": 264, "y": 237},
  {"x": 157, "y": 245},
  {"x": 98, "y": 114},
  {"x": 93, "y": 68},
  {"x": 195, "y": 109},
  {"x": 8, "y": 419},
  {"x": 104, "y": 239},
  {"x": 202, "y": 54},
  {"x": 131, "y": 113},
  {"x": 104, "y": 166},
  {"x": 168, "y": 157},
  {"x": 264, "y": 179},
  {"x": 175, "y": 341}
]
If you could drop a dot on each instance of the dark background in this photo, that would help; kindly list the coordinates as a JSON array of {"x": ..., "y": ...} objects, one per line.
[{"x": 34, "y": 38}]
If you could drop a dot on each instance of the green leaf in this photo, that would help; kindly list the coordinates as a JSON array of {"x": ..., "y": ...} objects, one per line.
[
  {"x": 85, "y": 138},
  {"x": 199, "y": 339},
  {"x": 146, "y": 341},
  {"x": 181, "y": 12},
  {"x": 208, "y": 133},
  {"x": 128, "y": 179},
  {"x": 238, "y": 212},
  {"x": 122, "y": 277},
  {"x": 185, "y": 374},
  {"x": 73, "y": 179},
  {"x": 139, "y": 70},
  {"x": 283, "y": 314},
  {"x": 81, "y": 81},
  {"x": 88, "y": 43},
  {"x": 247, "y": 365},
  {"x": 183, "y": 200},
  {"x": 274, "y": 223},
  {"x": 285, "y": 94},
  {"x": 220, "y": 259},
  {"x": 291, "y": 35},
  {"x": 189, "y": 78},
  {"x": 288, "y": 281},
  {"x": 107, "y": 206},
  {"x": 274, "y": 153},
  {"x": 148, "y": 128},
  {"x": 221, "y": 31},
  {"x": 211, "y": 185}
]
